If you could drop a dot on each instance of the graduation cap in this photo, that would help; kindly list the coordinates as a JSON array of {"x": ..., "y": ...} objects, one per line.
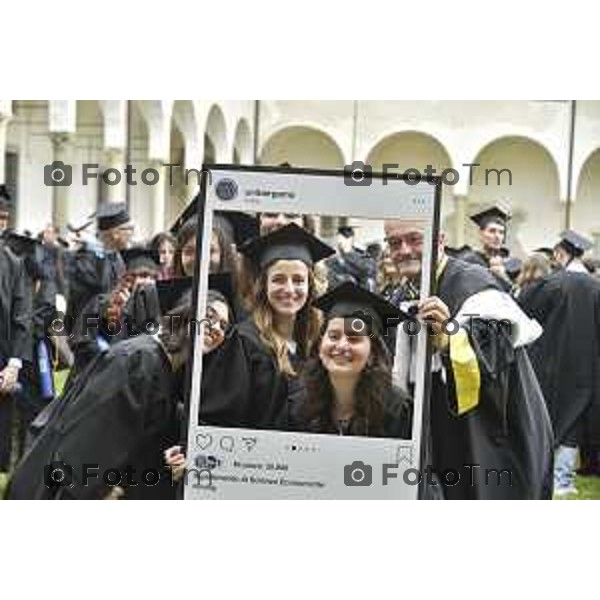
[
  {"x": 546, "y": 251},
  {"x": 457, "y": 252},
  {"x": 172, "y": 292},
  {"x": 239, "y": 227},
  {"x": 286, "y": 243},
  {"x": 111, "y": 214},
  {"x": 346, "y": 231},
  {"x": 495, "y": 214},
  {"x": 139, "y": 258},
  {"x": 349, "y": 299},
  {"x": 574, "y": 243},
  {"x": 5, "y": 199},
  {"x": 220, "y": 287},
  {"x": 188, "y": 212}
]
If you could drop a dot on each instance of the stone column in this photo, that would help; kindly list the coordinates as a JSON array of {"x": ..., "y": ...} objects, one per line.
[
  {"x": 60, "y": 193},
  {"x": 191, "y": 187},
  {"x": 4, "y": 119},
  {"x": 158, "y": 196},
  {"x": 114, "y": 158},
  {"x": 327, "y": 227},
  {"x": 460, "y": 220}
]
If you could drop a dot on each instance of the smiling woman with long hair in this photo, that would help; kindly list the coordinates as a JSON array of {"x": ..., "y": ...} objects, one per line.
[
  {"x": 253, "y": 376},
  {"x": 348, "y": 379}
]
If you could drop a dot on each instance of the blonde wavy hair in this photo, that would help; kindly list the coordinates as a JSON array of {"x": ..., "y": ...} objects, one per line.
[
  {"x": 536, "y": 266},
  {"x": 306, "y": 328}
]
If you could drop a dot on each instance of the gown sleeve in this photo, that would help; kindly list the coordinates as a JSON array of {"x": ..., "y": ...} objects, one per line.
[
  {"x": 477, "y": 360},
  {"x": 19, "y": 325},
  {"x": 398, "y": 414},
  {"x": 241, "y": 385}
]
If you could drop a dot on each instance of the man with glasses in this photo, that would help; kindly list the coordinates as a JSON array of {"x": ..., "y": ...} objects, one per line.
[{"x": 490, "y": 434}]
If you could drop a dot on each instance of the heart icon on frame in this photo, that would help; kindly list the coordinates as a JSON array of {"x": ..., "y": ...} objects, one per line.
[{"x": 203, "y": 440}]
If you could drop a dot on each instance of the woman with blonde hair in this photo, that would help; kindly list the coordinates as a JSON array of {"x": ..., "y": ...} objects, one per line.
[
  {"x": 536, "y": 267},
  {"x": 253, "y": 377}
]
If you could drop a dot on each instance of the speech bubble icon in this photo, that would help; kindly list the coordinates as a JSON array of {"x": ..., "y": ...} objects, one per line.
[
  {"x": 203, "y": 440},
  {"x": 249, "y": 442},
  {"x": 226, "y": 443}
]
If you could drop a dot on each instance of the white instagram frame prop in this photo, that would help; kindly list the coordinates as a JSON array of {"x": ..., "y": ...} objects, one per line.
[{"x": 269, "y": 464}]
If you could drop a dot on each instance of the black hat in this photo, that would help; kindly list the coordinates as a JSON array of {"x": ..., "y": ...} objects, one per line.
[
  {"x": 574, "y": 243},
  {"x": 172, "y": 292},
  {"x": 349, "y": 299},
  {"x": 457, "y": 252},
  {"x": 111, "y": 214},
  {"x": 220, "y": 287},
  {"x": 495, "y": 214},
  {"x": 5, "y": 199},
  {"x": 346, "y": 231},
  {"x": 138, "y": 258},
  {"x": 546, "y": 251},
  {"x": 287, "y": 243},
  {"x": 239, "y": 227}
]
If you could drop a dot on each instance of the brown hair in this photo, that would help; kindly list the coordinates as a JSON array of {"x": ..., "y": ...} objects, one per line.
[
  {"x": 374, "y": 385},
  {"x": 536, "y": 266},
  {"x": 187, "y": 231},
  {"x": 179, "y": 327},
  {"x": 306, "y": 328}
]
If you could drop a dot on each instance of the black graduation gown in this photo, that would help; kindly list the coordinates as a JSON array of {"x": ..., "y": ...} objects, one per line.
[
  {"x": 476, "y": 257},
  {"x": 397, "y": 418},
  {"x": 90, "y": 274},
  {"x": 242, "y": 385},
  {"x": 122, "y": 412},
  {"x": 15, "y": 309},
  {"x": 566, "y": 357},
  {"x": 32, "y": 399},
  {"x": 509, "y": 428},
  {"x": 15, "y": 337},
  {"x": 85, "y": 343}
]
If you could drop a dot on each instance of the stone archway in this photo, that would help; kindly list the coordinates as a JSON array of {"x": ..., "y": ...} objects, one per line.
[{"x": 529, "y": 188}]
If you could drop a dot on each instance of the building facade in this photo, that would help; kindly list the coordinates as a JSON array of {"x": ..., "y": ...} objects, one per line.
[{"x": 523, "y": 146}]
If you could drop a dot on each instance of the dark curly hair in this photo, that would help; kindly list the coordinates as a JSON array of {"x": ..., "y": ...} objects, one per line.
[{"x": 374, "y": 385}]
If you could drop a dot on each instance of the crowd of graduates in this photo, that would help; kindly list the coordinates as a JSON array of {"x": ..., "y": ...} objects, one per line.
[{"x": 515, "y": 388}]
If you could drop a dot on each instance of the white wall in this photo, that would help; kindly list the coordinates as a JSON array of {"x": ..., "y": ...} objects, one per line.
[{"x": 330, "y": 134}]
